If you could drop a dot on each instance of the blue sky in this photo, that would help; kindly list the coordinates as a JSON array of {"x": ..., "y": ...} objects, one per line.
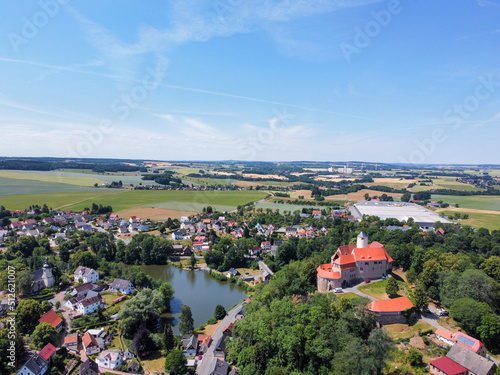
[{"x": 382, "y": 81}]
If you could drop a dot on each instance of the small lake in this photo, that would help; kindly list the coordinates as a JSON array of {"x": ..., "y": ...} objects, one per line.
[{"x": 198, "y": 290}]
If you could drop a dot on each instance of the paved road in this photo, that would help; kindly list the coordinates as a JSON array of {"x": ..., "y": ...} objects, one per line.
[
  {"x": 203, "y": 367},
  {"x": 264, "y": 267},
  {"x": 354, "y": 289}
]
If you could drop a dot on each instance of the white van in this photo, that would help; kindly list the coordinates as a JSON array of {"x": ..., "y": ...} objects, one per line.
[{"x": 337, "y": 290}]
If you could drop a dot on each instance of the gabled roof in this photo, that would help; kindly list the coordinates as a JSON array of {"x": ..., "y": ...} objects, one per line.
[
  {"x": 84, "y": 287},
  {"x": 51, "y": 317},
  {"x": 48, "y": 351},
  {"x": 445, "y": 334},
  {"x": 467, "y": 341},
  {"x": 391, "y": 305},
  {"x": 89, "y": 365},
  {"x": 470, "y": 360},
  {"x": 36, "y": 364},
  {"x": 89, "y": 340},
  {"x": 371, "y": 253},
  {"x": 218, "y": 367},
  {"x": 71, "y": 339},
  {"x": 346, "y": 261},
  {"x": 447, "y": 366},
  {"x": 120, "y": 284},
  {"x": 90, "y": 301}
]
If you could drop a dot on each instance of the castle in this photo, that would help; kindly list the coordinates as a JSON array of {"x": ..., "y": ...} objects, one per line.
[
  {"x": 42, "y": 278},
  {"x": 352, "y": 264}
]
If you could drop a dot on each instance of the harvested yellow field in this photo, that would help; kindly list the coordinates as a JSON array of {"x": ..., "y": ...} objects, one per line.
[
  {"x": 360, "y": 195},
  {"x": 265, "y": 176}
]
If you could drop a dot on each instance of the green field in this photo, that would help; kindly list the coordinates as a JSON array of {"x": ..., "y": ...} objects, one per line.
[
  {"x": 10, "y": 186},
  {"x": 482, "y": 202},
  {"x": 445, "y": 183},
  {"x": 124, "y": 199},
  {"x": 78, "y": 179},
  {"x": 207, "y": 181},
  {"x": 478, "y": 219}
]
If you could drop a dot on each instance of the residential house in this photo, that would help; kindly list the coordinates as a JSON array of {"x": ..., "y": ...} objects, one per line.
[
  {"x": 123, "y": 229},
  {"x": 232, "y": 272},
  {"x": 177, "y": 235},
  {"x": 470, "y": 343},
  {"x": 122, "y": 286},
  {"x": 53, "y": 319},
  {"x": 266, "y": 245},
  {"x": 47, "y": 352},
  {"x": 474, "y": 363},
  {"x": 444, "y": 336},
  {"x": 86, "y": 275},
  {"x": 143, "y": 228},
  {"x": 445, "y": 366},
  {"x": 254, "y": 251},
  {"x": 133, "y": 227},
  {"x": 203, "y": 343},
  {"x": 133, "y": 366},
  {"x": 89, "y": 305},
  {"x": 291, "y": 232},
  {"x": 71, "y": 343},
  {"x": 36, "y": 365},
  {"x": 128, "y": 355},
  {"x": 110, "y": 359},
  {"x": 90, "y": 344},
  {"x": 177, "y": 248},
  {"x": 228, "y": 331},
  {"x": 187, "y": 251},
  {"x": 190, "y": 346},
  {"x": 83, "y": 290},
  {"x": 89, "y": 367},
  {"x": 218, "y": 367},
  {"x": 220, "y": 348}
]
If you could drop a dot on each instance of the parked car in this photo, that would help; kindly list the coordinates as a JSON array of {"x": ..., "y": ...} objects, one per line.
[
  {"x": 443, "y": 312},
  {"x": 337, "y": 290},
  {"x": 367, "y": 281}
]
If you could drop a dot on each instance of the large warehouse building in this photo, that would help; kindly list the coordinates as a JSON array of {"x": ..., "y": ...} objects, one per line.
[{"x": 401, "y": 211}]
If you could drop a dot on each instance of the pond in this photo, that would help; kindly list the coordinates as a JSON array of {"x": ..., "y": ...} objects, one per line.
[{"x": 198, "y": 290}]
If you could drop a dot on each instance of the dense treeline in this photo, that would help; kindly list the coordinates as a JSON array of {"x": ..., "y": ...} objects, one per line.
[{"x": 42, "y": 165}]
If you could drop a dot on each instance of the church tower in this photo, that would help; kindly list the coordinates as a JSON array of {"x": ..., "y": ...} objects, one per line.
[{"x": 47, "y": 277}]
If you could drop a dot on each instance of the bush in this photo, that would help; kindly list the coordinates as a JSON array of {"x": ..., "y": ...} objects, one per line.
[{"x": 212, "y": 321}]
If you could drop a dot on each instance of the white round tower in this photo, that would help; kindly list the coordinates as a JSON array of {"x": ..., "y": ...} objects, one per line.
[{"x": 362, "y": 240}]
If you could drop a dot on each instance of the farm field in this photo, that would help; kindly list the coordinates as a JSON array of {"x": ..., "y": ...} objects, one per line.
[
  {"x": 207, "y": 181},
  {"x": 446, "y": 183},
  {"x": 289, "y": 207},
  {"x": 482, "y": 202},
  {"x": 125, "y": 199},
  {"x": 9, "y": 186},
  {"x": 78, "y": 179},
  {"x": 360, "y": 195},
  {"x": 263, "y": 182},
  {"x": 395, "y": 183}
]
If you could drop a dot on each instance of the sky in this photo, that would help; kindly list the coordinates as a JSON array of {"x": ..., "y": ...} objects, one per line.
[{"x": 272, "y": 80}]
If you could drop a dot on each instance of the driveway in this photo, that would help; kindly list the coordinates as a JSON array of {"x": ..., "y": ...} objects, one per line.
[{"x": 354, "y": 289}]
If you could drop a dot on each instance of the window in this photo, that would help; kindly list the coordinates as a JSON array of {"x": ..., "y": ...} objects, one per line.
[{"x": 361, "y": 269}]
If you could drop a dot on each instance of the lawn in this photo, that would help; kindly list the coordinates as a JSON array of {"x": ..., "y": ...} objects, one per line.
[
  {"x": 124, "y": 199},
  {"x": 401, "y": 331},
  {"x": 377, "y": 289}
]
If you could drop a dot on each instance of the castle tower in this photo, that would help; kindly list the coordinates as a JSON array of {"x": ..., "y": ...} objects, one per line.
[
  {"x": 47, "y": 277},
  {"x": 362, "y": 241}
]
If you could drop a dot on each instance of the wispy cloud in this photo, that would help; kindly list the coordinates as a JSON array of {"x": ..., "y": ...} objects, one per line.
[{"x": 491, "y": 32}]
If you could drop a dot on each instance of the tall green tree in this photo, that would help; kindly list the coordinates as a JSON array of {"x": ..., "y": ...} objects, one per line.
[
  {"x": 168, "y": 338},
  {"x": 167, "y": 291},
  {"x": 392, "y": 287},
  {"x": 186, "y": 321},
  {"x": 176, "y": 361},
  {"x": 220, "y": 312},
  {"x": 43, "y": 334},
  {"x": 421, "y": 300},
  {"x": 28, "y": 312}
]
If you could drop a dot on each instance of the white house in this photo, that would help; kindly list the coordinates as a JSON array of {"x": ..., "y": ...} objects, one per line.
[
  {"x": 89, "y": 305},
  {"x": 86, "y": 275},
  {"x": 109, "y": 359},
  {"x": 36, "y": 365},
  {"x": 122, "y": 286}
]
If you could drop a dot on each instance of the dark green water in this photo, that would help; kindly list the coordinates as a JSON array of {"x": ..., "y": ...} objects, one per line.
[{"x": 198, "y": 290}]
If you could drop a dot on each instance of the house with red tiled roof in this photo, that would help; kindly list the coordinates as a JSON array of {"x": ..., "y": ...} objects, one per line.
[
  {"x": 469, "y": 342},
  {"x": 228, "y": 331},
  {"x": 47, "y": 352},
  {"x": 444, "y": 336},
  {"x": 90, "y": 344},
  {"x": 53, "y": 319},
  {"x": 445, "y": 366},
  {"x": 390, "y": 311},
  {"x": 352, "y": 264},
  {"x": 71, "y": 343}
]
